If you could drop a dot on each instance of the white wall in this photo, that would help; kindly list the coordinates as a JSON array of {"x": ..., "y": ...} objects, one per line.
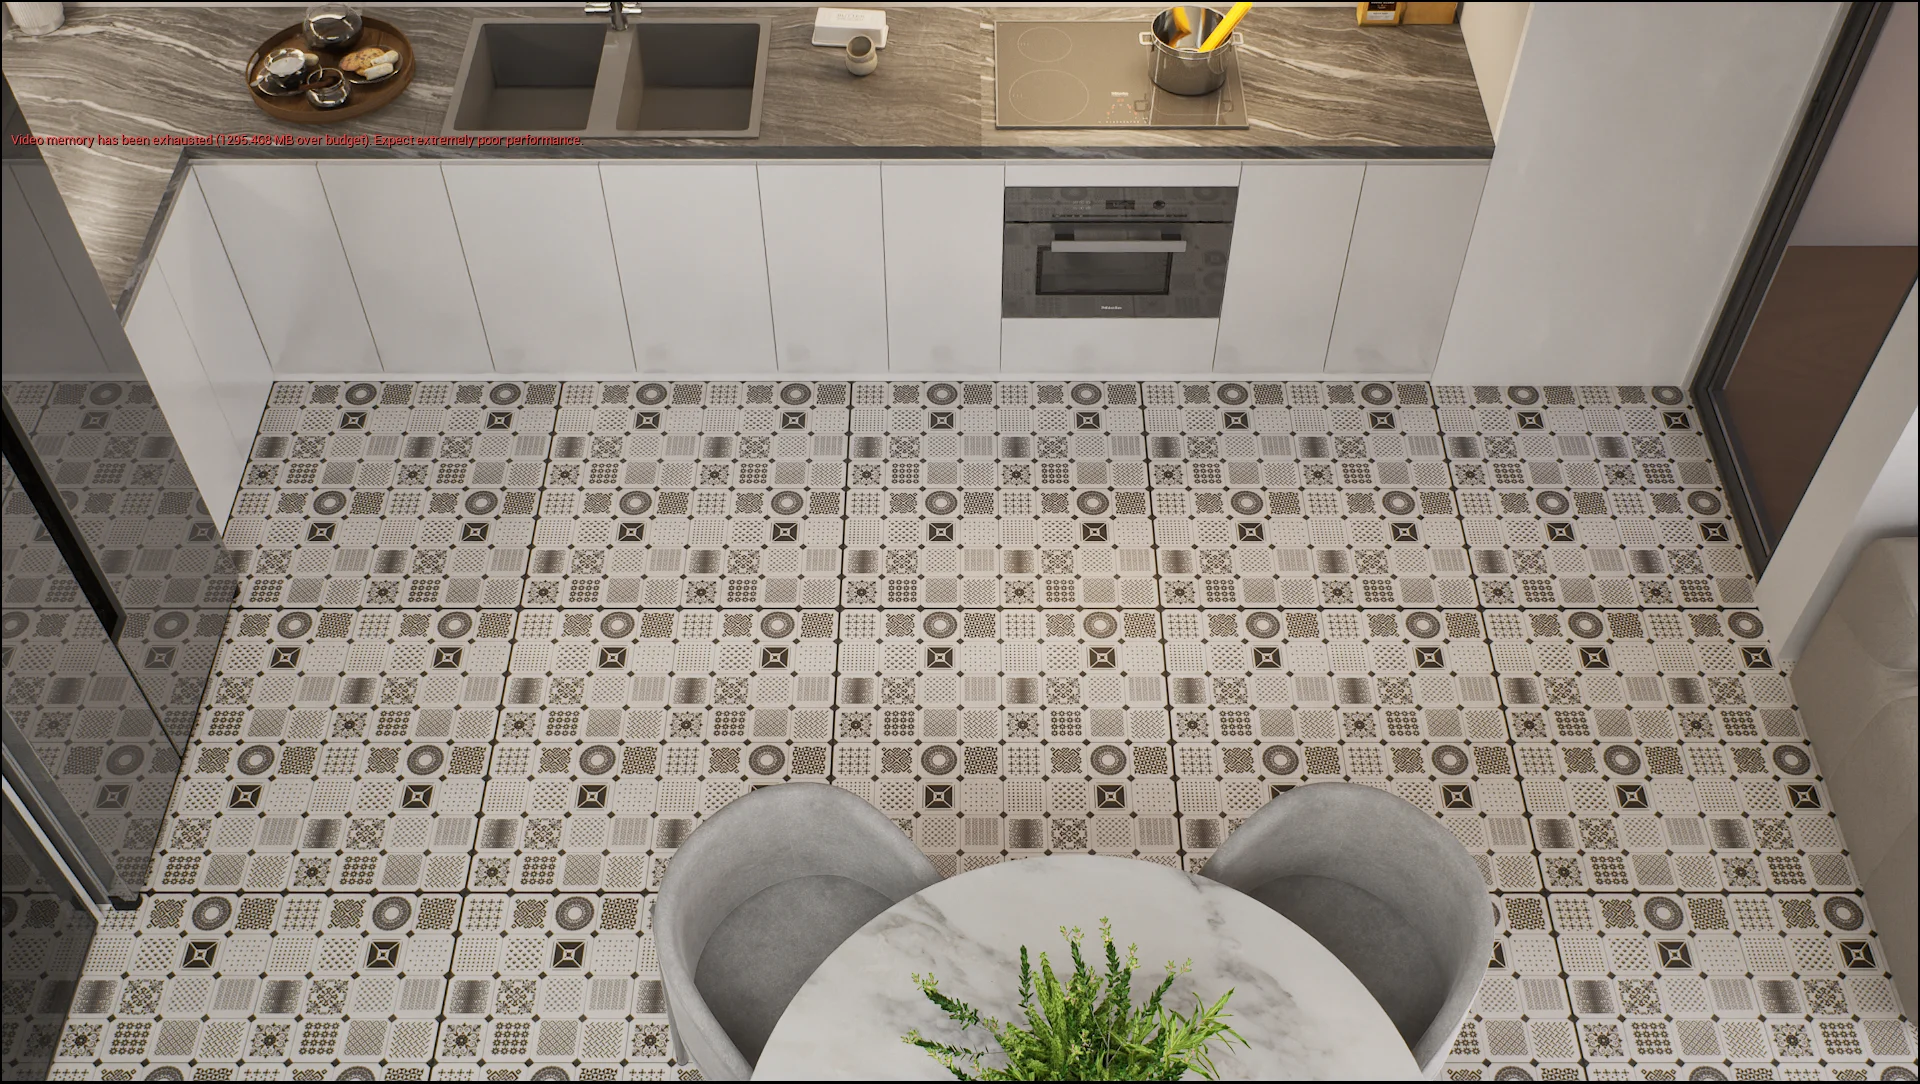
[
  {"x": 1493, "y": 32},
  {"x": 1864, "y": 489},
  {"x": 1865, "y": 194},
  {"x": 1637, "y": 148}
]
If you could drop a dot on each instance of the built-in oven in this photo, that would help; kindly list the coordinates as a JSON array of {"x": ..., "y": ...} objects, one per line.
[{"x": 1082, "y": 252}]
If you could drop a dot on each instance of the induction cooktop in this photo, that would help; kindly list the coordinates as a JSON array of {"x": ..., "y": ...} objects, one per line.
[{"x": 1094, "y": 75}]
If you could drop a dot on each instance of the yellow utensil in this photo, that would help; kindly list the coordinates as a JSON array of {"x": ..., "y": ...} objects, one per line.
[
  {"x": 1181, "y": 24},
  {"x": 1225, "y": 29}
]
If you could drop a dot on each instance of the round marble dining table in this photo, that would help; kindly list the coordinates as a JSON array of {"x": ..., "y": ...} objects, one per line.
[{"x": 1302, "y": 1012}]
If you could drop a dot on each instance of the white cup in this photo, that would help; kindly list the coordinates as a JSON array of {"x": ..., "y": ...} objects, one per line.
[
  {"x": 37, "y": 19},
  {"x": 862, "y": 57}
]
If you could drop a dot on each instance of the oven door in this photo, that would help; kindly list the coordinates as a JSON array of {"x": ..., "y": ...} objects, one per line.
[{"x": 1094, "y": 269}]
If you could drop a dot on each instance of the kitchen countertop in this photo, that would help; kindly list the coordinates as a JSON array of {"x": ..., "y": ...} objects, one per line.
[{"x": 1317, "y": 86}]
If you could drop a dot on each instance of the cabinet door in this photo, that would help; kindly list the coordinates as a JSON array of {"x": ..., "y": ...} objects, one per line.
[
  {"x": 1409, "y": 240},
  {"x": 397, "y": 227},
  {"x": 541, "y": 258},
  {"x": 210, "y": 304},
  {"x": 285, "y": 250},
  {"x": 693, "y": 265},
  {"x": 1148, "y": 349},
  {"x": 214, "y": 453},
  {"x": 943, "y": 265},
  {"x": 1290, "y": 235},
  {"x": 826, "y": 266}
]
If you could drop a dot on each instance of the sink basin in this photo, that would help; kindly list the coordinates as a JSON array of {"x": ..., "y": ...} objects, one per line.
[
  {"x": 662, "y": 77},
  {"x": 528, "y": 77}
]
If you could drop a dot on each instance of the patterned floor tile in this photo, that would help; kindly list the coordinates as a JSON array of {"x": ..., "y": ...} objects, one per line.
[
  {"x": 997, "y": 494},
  {"x": 1303, "y": 495},
  {"x": 342, "y": 749},
  {"x": 623, "y": 727},
  {"x": 1519, "y": 1028},
  {"x": 392, "y": 494},
  {"x": 542, "y": 980},
  {"x": 1591, "y": 496},
  {"x": 991, "y": 733},
  {"x": 693, "y": 494},
  {"x": 208, "y": 978},
  {"x": 1019, "y": 619},
  {"x": 1265, "y": 701},
  {"x": 1663, "y": 744},
  {"x": 1680, "y": 978}
]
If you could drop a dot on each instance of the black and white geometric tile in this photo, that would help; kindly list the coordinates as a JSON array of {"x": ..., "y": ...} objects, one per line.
[
  {"x": 1006, "y": 733},
  {"x": 1020, "y": 619},
  {"x": 1302, "y": 495},
  {"x": 1264, "y": 701},
  {"x": 415, "y": 495},
  {"x": 997, "y": 494},
  {"x": 340, "y": 750},
  {"x": 1591, "y": 496},
  {"x": 694, "y": 494}
]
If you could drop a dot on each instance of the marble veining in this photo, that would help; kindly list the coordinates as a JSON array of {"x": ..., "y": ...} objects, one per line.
[
  {"x": 1317, "y": 86},
  {"x": 1303, "y": 1014}
]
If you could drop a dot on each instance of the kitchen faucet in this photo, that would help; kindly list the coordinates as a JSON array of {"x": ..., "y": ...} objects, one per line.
[{"x": 616, "y": 11}]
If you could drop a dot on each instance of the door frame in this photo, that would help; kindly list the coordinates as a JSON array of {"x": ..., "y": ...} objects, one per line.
[{"x": 1846, "y": 61}]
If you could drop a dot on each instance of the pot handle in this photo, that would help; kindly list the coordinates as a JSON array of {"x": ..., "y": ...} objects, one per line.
[{"x": 1147, "y": 38}]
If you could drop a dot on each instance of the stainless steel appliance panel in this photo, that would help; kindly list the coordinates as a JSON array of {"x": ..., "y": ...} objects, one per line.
[{"x": 1116, "y": 252}]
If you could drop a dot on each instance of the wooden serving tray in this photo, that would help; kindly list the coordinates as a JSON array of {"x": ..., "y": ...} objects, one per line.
[{"x": 362, "y": 99}]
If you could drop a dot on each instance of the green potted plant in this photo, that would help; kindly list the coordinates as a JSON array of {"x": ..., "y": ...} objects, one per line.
[{"x": 1086, "y": 1027}]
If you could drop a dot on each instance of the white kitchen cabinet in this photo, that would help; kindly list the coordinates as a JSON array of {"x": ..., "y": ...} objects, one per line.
[
  {"x": 207, "y": 296},
  {"x": 1146, "y": 348},
  {"x": 1290, "y": 234},
  {"x": 180, "y": 385},
  {"x": 943, "y": 242},
  {"x": 693, "y": 266},
  {"x": 541, "y": 258},
  {"x": 396, "y": 224},
  {"x": 280, "y": 236},
  {"x": 826, "y": 266},
  {"x": 1409, "y": 240}
]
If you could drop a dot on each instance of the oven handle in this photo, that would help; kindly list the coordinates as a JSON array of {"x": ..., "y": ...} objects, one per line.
[{"x": 1119, "y": 246}]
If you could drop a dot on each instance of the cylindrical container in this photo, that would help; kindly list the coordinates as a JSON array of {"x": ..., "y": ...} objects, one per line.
[
  {"x": 1178, "y": 66},
  {"x": 37, "y": 19},
  {"x": 331, "y": 26},
  {"x": 862, "y": 57}
]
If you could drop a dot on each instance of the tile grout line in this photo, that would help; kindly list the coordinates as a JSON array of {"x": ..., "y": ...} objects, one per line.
[{"x": 1161, "y": 610}]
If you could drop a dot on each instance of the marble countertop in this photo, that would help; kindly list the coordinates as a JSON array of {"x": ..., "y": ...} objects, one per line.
[
  {"x": 1303, "y": 1014},
  {"x": 1316, "y": 84}
]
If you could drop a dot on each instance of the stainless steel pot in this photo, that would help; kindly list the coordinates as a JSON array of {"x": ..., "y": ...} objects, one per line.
[{"x": 1177, "y": 65}]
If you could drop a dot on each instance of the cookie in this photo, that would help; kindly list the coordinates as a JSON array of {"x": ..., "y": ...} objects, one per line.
[{"x": 362, "y": 59}]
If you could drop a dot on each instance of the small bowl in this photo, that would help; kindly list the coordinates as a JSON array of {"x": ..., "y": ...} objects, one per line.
[
  {"x": 276, "y": 76},
  {"x": 328, "y": 88}
]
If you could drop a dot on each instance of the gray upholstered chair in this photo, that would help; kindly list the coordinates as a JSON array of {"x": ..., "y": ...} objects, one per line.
[
  {"x": 760, "y": 894},
  {"x": 1386, "y": 888}
]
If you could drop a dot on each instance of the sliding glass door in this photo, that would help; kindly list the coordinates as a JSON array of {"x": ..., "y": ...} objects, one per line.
[{"x": 1832, "y": 264}]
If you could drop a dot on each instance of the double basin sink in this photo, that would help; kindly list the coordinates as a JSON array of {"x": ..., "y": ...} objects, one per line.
[{"x": 662, "y": 77}]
